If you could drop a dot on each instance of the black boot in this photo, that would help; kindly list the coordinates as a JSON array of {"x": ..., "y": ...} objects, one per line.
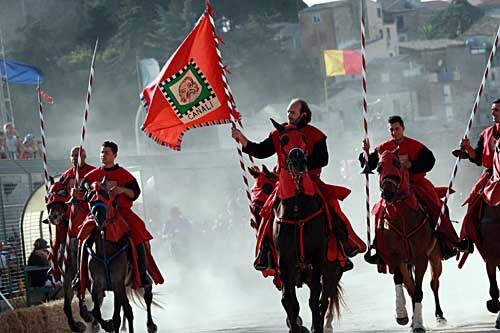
[
  {"x": 370, "y": 258},
  {"x": 348, "y": 265},
  {"x": 75, "y": 283},
  {"x": 465, "y": 245},
  {"x": 142, "y": 265},
  {"x": 261, "y": 262}
]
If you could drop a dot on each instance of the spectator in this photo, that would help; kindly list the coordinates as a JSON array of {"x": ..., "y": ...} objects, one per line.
[
  {"x": 29, "y": 148},
  {"x": 12, "y": 143},
  {"x": 3, "y": 147},
  {"x": 39, "y": 257}
]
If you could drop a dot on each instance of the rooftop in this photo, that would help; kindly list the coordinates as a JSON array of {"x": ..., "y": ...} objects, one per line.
[{"x": 430, "y": 44}]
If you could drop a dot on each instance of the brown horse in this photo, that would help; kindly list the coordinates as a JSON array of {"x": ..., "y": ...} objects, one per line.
[
  {"x": 300, "y": 233},
  {"x": 406, "y": 240},
  {"x": 485, "y": 208},
  {"x": 58, "y": 215},
  {"x": 110, "y": 266},
  {"x": 265, "y": 182}
]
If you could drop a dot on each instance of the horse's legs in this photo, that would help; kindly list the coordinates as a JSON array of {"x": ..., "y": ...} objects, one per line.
[
  {"x": 315, "y": 292},
  {"x": 118, "y": 300},
  {"x": 330, "y": 294},
  {"x": 129, "y": 314},
  {"x": 401, "y": 313},
  {"x": 75, "y": 326},
  {"x": 493, "y": 305},
  {"x": 420, "y": 268},
  {"x": 289, "y": 298},
  {"x": 148, "y": 298},
  {"x": 97, "y": 297},
  {"x": 436, "y": 270}
]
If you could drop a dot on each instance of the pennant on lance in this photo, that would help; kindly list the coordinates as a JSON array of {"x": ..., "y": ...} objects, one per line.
[{"x": 191, "y": 90}]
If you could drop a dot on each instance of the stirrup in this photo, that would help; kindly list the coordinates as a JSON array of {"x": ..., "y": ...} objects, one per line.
[
  {"x": 348, "y": 265},
  {"x": 371, "y": 258}
]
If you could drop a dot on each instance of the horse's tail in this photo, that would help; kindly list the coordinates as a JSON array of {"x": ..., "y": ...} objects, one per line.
[
  {"x": 335, "y": 301},
  {"x": 136, "y": 296}
]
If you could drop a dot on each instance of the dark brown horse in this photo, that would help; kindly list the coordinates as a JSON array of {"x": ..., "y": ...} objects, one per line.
[
  {"x": 58, "y": 215},
  {"x": 110, "y": 267},
  {"x": 488, "y": 230},
  {"x": 265, "y": 182},
  {"x": 406, "y": 240},
  {"x": 301, "y": 233}
]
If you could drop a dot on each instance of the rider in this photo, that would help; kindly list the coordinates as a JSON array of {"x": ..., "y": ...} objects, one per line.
[
  {"x": 79, "y": 209},
  {"x": 317, "y": 158},
  {"x": 481, "y": 155},
  {"x": 418, "y": 160},
  {"x": 123, "y": 184}
]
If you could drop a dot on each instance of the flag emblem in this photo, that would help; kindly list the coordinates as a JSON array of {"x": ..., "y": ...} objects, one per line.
[{"x": 189, "y": 93}]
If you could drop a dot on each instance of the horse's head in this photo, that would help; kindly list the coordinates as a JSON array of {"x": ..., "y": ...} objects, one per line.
[
  {"x": 56, "y": 201},
  {"x": 265, "y": 181},
  {"x": 100, "y": 202},
  {"x": 392, "y": 175},
  {"x": 293, "y": 147}
]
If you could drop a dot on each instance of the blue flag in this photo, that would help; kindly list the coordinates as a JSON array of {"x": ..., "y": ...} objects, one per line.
[{"x": 17, "y": 72}]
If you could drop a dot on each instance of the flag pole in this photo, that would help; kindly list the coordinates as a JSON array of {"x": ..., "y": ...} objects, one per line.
[
  {"x": 232, "y": 107},
  {"x": 53, "y": 261},
  {"x": 366, "y": 170}
]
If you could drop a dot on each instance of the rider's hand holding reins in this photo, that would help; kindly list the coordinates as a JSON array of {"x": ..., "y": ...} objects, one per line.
[{"x": 465, "y": 143}]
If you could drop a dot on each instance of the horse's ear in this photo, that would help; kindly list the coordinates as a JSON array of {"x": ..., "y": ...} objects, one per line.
[
  {"x": 302, "y": 123},
  {"x": 254, "y": 171},
  {"x": 51, "y": 180},
  {"x": 279, "y": 127},
  {"x": 266, "y": 171}
]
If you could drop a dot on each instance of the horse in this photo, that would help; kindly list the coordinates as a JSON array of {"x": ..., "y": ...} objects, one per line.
[
  {"x": 58, "y": 215},
  {"x": 110, "y": 267},
  {"x": 265, "y": 182},
  {"x": 300, "y": 232},
  {"x": 485, "y": 234},
  {"x": 406, "y": 240}
]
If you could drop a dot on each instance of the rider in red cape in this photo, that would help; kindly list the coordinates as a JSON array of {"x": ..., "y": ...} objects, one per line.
[
  {"x": 79, "y": 209},
  {"x": 419, "y": 160},
  {"x": 317, "y": 158},
  {"x": 123, "y": 184},
  {"x": 481, "y": 155}
]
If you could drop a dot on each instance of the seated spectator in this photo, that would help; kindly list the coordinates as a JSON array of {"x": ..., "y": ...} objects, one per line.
[
  {"x": 12, "y": 143},
  {"x": 3, "y": 146},
  {"x": 39, "y": 257},
  {"x": 29, "y": 148}
]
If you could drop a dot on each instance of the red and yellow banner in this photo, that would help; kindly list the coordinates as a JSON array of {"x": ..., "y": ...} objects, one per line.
[
  {"x": 190, "y": 91},
  {"x": 342, "y": 62}
]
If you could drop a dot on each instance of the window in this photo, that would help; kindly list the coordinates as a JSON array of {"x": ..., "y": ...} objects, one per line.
[
  {"x": 400, "y": 23},
  {"x": 388, "y": 33},
  {"x": 379, "y": 12},
  {"x": 381, "y": 33},
  {"x": 316, "y": 18}
]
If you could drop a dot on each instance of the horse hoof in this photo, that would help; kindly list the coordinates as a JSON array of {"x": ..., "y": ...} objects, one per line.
[
  {"x": 493, "y": 306},
  {"x": 304, "y": 329},
  {"x": 78, "y": 326},
  {"x": 152, "y": 328},
  {"x": 328, "y": 330},
  {"x": 402, "y": 321},
  {"x": 108, "y": 326},
  {"x": 85, "y": 314},
  {"x": 497, "y": 325},
  {"x": 441, "y": 321},
  {"x": 418, "y": 330}
]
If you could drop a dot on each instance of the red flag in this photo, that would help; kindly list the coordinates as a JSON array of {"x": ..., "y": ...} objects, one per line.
[
  {"x": 46, "y": 97},
  {"x": 191, "y": 90}
]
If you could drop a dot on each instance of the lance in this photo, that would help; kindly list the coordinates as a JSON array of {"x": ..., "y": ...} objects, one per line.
[
  {"x": 82, "y": 140},
  {"x": 460, "y": 153},
  {"x": 232, "y": 106},
  {"x": 53, "y": 261},
  {"x": 366, "y": 170}
]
